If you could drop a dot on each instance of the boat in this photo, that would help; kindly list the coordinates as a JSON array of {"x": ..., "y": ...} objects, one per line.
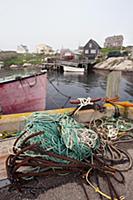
[
  {"x": 11, "y": 124},
  {"x": 43, "y": 69},
  {"x": 25, "y": 93},
  {"x": 73, "y": 69}
]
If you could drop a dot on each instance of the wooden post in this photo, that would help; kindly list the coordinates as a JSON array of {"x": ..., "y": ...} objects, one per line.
[{"x": 113, "y": 83}]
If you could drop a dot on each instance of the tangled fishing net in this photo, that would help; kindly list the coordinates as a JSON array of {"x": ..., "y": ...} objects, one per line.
[
  {"x": 60, "y": 134},
  {"x": 57, "y": 143}
]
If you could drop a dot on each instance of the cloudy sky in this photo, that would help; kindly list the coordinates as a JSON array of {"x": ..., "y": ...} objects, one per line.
[{"x": 63, "y": 23}]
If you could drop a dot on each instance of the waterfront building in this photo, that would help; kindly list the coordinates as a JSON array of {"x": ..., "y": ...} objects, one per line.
[
  {"x": 66, "y": 54},
  {"x": 91, "y": 49}
]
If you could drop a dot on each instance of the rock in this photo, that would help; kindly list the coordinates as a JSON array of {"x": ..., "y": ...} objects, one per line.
[{"x": 114, "y": 63}]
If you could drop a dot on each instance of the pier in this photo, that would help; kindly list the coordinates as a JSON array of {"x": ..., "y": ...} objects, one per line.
[{"x": 57, "y": 65}]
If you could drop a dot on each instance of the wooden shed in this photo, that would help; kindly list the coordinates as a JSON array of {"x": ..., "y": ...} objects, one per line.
[{"x": 91, "y": 49}]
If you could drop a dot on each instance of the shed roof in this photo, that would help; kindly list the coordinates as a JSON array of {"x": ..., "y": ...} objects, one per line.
[{"x": 91, "y": 40}]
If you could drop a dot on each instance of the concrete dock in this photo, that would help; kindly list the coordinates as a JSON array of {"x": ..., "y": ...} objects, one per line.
[{"x": 66, "y": 187}]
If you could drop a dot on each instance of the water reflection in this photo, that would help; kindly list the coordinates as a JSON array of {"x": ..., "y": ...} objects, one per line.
[
  {"x": 74, "y": 85},
  {"x": 92, "y": 84},
  {"x": 78, "y": 85},
  {"x": 129, "y": 84}
]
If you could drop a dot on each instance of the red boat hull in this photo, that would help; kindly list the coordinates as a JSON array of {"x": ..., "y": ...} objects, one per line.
[{"x": 23, "y": 95}]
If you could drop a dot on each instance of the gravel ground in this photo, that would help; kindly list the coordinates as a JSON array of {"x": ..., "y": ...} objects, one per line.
[{"x": 67, "y": 187}]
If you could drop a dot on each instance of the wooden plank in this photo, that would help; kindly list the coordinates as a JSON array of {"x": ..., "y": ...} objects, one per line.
[
  {"x": 5, "y": 150},
  {"x": 113, "y": 83}
]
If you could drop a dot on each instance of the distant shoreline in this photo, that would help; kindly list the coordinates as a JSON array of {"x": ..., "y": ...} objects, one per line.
[{"x": 118, "y": 64}]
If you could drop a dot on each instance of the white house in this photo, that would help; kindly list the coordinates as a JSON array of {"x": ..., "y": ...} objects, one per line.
[
  {"x": 22, "y": 49},
  {"x": 45, "y": 49}
]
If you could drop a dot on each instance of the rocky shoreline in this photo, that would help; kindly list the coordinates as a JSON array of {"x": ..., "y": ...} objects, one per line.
[{"x": 118, "y": 64}]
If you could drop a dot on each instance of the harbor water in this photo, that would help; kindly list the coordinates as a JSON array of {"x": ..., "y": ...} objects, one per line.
[
  {"x": 65, "y": 86},
  {"x": 78, "y": 85}
]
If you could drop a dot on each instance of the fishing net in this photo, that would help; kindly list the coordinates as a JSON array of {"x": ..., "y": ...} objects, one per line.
[
  {"x": 57, "y": 144},
  {"x": 60, "y": 134}
]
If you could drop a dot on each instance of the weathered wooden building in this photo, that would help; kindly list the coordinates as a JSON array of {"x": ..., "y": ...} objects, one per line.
[{"x": 91, "y": 50}]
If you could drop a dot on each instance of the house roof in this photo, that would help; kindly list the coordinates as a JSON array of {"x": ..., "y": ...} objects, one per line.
[
  {"x": 91, "y": 40},
  {"x": 43, "y": 46}
]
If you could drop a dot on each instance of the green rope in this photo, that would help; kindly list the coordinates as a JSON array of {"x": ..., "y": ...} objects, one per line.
[{"x": 62, "y": 135}]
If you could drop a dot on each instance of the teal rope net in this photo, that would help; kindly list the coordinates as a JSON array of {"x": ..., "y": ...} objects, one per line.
[{"x": 62, "y": 135}]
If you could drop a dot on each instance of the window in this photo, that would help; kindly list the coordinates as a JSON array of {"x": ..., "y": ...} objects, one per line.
[
  {"x": 90, "y": 45},
  {"x": 86, "y": 51},
  {"x": 93, "y": 51}
]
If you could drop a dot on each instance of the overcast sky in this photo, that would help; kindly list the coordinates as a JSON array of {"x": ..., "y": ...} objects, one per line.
[{"x": 63, "y": 23}]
